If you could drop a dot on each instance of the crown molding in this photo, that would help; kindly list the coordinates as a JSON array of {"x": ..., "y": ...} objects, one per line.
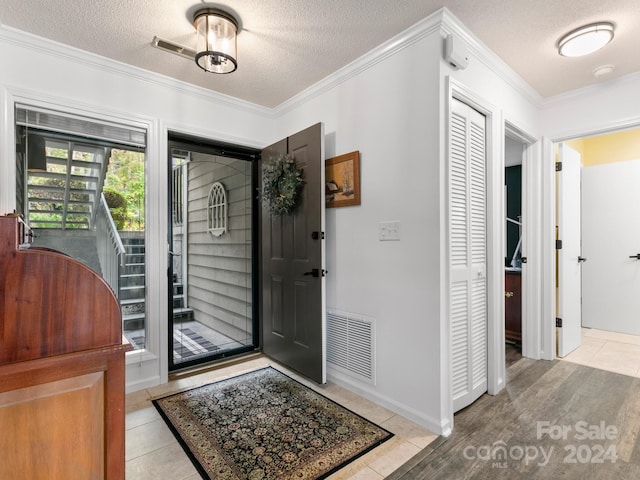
[
  {"x": 631, "y": 80},
  {"x": 482, "y": 53},
  {"x": 38, "y": 44},
  {"x": 442, "y": 22}
]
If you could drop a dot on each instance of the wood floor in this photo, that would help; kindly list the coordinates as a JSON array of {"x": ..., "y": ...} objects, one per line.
[{"x": 554, "y": 420}]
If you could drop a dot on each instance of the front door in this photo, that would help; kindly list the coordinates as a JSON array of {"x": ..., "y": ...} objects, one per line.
[
  {"x": 569, "y": 256},
  {"x": 293, "y": 301}
]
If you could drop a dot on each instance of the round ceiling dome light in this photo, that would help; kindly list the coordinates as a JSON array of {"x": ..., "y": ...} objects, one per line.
[{"x": 586, "y": 40}]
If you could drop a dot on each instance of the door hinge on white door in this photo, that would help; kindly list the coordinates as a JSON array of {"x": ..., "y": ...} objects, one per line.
[
  {"x": 559, "y": 322},
  {"x": 558, "y": 244},
  {"x": 558, "y": 166}
]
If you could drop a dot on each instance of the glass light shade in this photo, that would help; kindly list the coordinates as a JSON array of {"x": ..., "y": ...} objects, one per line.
[
  {"x": 216, "y": 48},
  {"x": 585, "y": 40}
]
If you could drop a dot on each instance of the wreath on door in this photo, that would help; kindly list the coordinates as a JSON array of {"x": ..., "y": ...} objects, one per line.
[{"x": 282, "y": 181}]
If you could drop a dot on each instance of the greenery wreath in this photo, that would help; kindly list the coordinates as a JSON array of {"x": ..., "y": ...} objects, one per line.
[{"x": 282, "y": 181}]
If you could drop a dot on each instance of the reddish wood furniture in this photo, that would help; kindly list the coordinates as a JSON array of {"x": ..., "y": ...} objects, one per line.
[
  {"x": 513, "y": 307},
  {"x": 61, "y": 366}
]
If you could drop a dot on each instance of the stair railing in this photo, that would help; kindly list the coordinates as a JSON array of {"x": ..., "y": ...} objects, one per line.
[{"x": 110, "y": 248}]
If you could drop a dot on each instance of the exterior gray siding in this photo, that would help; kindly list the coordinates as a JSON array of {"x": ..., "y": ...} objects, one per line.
[{"x": 219, "y": 268}]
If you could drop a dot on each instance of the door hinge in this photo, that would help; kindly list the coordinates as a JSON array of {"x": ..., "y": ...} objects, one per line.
[
  {"x": 559, "y": 322},
  {"x": 558, "y": 166},
  {"x": 558, "y": 244},
  {"x": 317, "y": 235}
]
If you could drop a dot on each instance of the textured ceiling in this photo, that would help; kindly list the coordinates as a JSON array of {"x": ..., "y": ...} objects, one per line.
[{"x": 287, "y": 45}]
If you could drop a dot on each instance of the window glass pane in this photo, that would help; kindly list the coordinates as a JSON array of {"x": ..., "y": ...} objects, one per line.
[{"x": 85, "y": 196}]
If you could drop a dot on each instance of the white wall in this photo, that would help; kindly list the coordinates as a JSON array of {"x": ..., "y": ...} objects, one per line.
[{"x": 39, "y": 72}]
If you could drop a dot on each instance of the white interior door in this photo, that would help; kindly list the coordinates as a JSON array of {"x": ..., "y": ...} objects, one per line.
[
  {"x": 569, "y": 263},
  {"x": 611, "y": 242},
  {"x": 467, "y": 254}
]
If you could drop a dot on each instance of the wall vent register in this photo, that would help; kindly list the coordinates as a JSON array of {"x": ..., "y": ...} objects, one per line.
[{"x": 351, "y": 345}]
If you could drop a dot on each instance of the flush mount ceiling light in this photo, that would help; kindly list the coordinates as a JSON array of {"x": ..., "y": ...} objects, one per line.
[
  {"x": 216, "y": 48},
  {"x": 585, "y": 40}
]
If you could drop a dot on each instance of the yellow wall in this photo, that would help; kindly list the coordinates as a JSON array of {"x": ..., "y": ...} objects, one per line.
[
  {"x": 578, "y": 146},
  {"x": 613, "y": 147}
]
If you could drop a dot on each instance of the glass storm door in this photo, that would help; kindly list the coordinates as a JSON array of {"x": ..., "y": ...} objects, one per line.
[{"x": 212, "y": 298}]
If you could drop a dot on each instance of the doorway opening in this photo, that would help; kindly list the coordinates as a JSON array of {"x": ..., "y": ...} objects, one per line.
[
  {"x": 213, "y": 274},
  {"x": 607, "y": 259},
  {"x": 514, "y": 149}
]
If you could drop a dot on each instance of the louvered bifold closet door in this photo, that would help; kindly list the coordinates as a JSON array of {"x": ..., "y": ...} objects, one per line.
[{"x": 467, "y": 255}]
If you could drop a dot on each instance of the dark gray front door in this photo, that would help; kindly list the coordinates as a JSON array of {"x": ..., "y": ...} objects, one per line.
[{"x": 293, "y": 304}]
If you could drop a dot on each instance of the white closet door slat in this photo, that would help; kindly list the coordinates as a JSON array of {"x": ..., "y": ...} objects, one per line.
[{"x": 467, "y": 254}]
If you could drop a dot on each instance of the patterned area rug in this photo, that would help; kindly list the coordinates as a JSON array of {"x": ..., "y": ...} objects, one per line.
[{"x": 265, "y": 425}]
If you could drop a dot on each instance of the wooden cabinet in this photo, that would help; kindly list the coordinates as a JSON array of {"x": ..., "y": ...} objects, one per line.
[
  {"x": 61, "y": 366},
  {"x": 513, "y": 307}
]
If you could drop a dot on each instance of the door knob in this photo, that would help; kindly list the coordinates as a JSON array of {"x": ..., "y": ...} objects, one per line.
[
  {"x": 316, "y": 272},
  {"x": 581, "y": 259},
  {"x": 636, "y": 256}
]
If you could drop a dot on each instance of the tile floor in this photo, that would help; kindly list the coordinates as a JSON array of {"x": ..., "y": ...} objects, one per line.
[
  {"x": 153, "y": 453},
  {"x": 611, "y": 351}
]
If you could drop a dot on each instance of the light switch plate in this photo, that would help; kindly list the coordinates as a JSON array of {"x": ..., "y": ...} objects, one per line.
[{"x": 389, "y": 231}]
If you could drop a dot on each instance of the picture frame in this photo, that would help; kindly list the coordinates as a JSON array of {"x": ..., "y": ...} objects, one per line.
[{"x": 342, "y": 180}]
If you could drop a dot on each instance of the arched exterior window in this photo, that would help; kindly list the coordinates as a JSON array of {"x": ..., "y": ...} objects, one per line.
[{"x": 217, "y": 210}]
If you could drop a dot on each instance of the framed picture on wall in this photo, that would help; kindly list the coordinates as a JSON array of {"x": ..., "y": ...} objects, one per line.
[{"x": 342, "y": 180}]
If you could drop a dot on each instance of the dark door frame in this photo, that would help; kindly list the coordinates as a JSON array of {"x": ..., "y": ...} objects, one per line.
[{"x": 201, "y": 145}]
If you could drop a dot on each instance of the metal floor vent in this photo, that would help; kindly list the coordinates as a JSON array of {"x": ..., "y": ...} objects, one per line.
[{"x": 351, "y": 345}]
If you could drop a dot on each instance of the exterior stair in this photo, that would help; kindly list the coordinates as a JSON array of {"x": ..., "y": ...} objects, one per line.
[
  {"x": 62, "y": 201},
  {"x": 65, "y": 194},
  {"x": 181, "y": 313},
  {"x": 132, "y": 282},
  {"x": 132, "y": 286}
]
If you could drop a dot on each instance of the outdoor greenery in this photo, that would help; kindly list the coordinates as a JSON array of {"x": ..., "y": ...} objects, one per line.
[
  {"x": 117, "y": 206},
  {"x": 125, "y": 176}
]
